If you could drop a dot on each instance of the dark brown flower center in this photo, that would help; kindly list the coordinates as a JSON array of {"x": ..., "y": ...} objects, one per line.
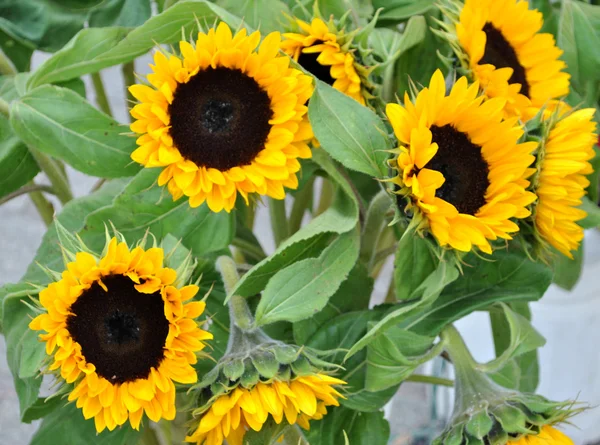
[
  {"x": 499, "y": 53},
  {"x": 122, "y": 331},
  {"x": 220, "y": 118},
  {"x": 309, "y": 62},
  {"x": 463, "y": 166}
]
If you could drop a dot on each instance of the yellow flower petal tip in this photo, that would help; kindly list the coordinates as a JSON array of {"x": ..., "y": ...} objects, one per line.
[
  {"x": 122, "y": 333},
  {"x": 460, "y": 165},
  {"x": 229, "y": 416},
  {"x": 547, "y": 436},
  {"x": 227, "y": 118}
]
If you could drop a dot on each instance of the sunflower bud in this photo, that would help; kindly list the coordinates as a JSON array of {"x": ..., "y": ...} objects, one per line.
[
  {"x": 486, "y": 413},
  {"x": 257, "y": 378}
]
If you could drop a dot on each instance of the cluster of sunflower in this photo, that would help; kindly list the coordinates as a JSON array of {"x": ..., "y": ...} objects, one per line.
[{"x": 488, "y": 152}]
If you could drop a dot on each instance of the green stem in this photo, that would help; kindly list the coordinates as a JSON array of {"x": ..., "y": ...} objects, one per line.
[
  {"x": 248, "y": 248},
  {"x": 279, "y": 223},
  {"x": 418, "y": 378},
  {"x": 29, "y": 188},
  {"x": 238, "y": 308},
  {"x": 43, "y": 206},
  {"x": 326, "y": 198},
  {"x": 149, "y": 436},
  {"x": 55, "y": 174},
  {"x": 4, "y": 108},
  {"x": 6, "y": 66},
  {"x": 302, "y": 201},
  {"x": 128, "y": 70},
  {"x": 101, "y": 98},
  {"x": 250, "y": 215}
]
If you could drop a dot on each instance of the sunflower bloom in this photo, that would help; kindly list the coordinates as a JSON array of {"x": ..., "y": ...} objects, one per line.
[
  {"x": 120, "y": 331},
  {"x": 324, "y": 52},
  {"x": 460, "y": 165},
  {"x": 224, "y": 119},
  {"x": 230, "y": 415},
  {"x": 561, "y": 181},
  {"x": 547, "y": 436},
  {"x": 508, "y": 55}
]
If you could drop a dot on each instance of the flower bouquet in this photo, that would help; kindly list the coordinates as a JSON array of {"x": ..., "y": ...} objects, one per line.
[{"x": 455, "y": 140}]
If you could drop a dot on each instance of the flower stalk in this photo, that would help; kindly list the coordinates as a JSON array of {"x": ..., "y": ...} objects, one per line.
[
  {"x": 279, "y": 221},
  {"x": 101, "y": 98}
]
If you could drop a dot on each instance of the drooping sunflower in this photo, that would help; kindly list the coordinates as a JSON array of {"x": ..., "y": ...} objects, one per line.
[
  {"x": 561, "y": 179},
  {"x": 224, "y": 118},
  {"x": 547, "y": 436},
  {"x": 326, "y": 52},
  {"x": 121, "y": 332},
  {"x": 500, "y": 43},
  {"x": 460, "y": 165},
  {"x": 230, "y": 415}
]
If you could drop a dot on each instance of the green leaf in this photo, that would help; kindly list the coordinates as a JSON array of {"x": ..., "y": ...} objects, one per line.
[
  {"x": 165, "y": 28},
  {"x": 143, "y": 206},
  {"x": 311, "y": 239},
  {"x": 41, "y": 408},
  {"x": 397, "y": 10},
  {"x": 266, "y": 15},
  {"x": 422, "y": 296},
  {"x": 580, "y": 41},
  {"x": 24, "y": 352},
  {"x": 352, "y": 134},
  {"x": 361, "y": 428},
  {"x": 592, "y": 219},
  {"x": 353, "y": 295},
  {"x": 128, "y": 13},
  {"x": 414, "y": 262},
  {"x": 593, "y": 191},
  {"x": 339, "y": 334},
  {"x": 46, "y": 24},
  {"x": 17, "y": 50},
  {"x": 83, "y": 54},
  {"x": 68, "y": 424},
  {"x": 550, "y": 13},
  {"x": 393, "y": 356},
  {"x": 523, "y": 338},
  {"x": 509, "y": 276},
  {"x": 59, "y": 122},
  {"x": 302, "y": 289},
  {"x": 566, "y": 270},
  {"x": 72, "y": 217}
]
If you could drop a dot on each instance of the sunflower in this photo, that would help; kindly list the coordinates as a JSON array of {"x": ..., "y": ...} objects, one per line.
[
  {"x": 300, "y": 400},
  {"x": 547, "y": 436},
  {"x": 121, "y": 332},
  {"x": 325, "y": 52},
  {"x": 460, "y": 165},
  {"x": 501, "y": 45},
  {"x": 223, "y": 119},
  {"x": 561, "y": 182}
]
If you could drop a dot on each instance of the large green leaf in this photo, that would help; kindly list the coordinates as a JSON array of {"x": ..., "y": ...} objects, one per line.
[
  {"x": 509, "y": 276},
  {"x": 143, "y": 206},
  {"x": 415, "y": 261},
  {"x": 17, "y": 50},
  {"x": 352, "y": 134},
  {"x": 567, "y": 271},
  {"x": 59, "y": 122},
  {"x": 266, "y": 15},
  {"x": 579, "y": 38},
  {"x": 46, "y": 24},
  {"x": 121, "y": 13},
  {"x": 310, "y": 240},
  {"x": 353, "y": 295},
  {"x": 397, "y": 10},
  {"x": 303, "y": 289},
  {"x": 68, "y": 426},
  {"x": 24, "y": 352},
  {"x": 360, "y": 428},
  {"x": 80, "y": 56},
  {"x": 593, "y": 214}
]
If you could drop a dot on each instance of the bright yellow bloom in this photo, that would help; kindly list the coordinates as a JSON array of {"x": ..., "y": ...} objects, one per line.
[
  {"x": 461, "y": 165},
  {"x": 318, "y": 49},
  {"x": 548, "y": 436},
  {"x": 561, "y": 181},
  {"x": 122, "y": 333},
  {"x": 225, "y": 119},
  {"x": 509, "y": 57},
  {"x": 300, "y": 400}
]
